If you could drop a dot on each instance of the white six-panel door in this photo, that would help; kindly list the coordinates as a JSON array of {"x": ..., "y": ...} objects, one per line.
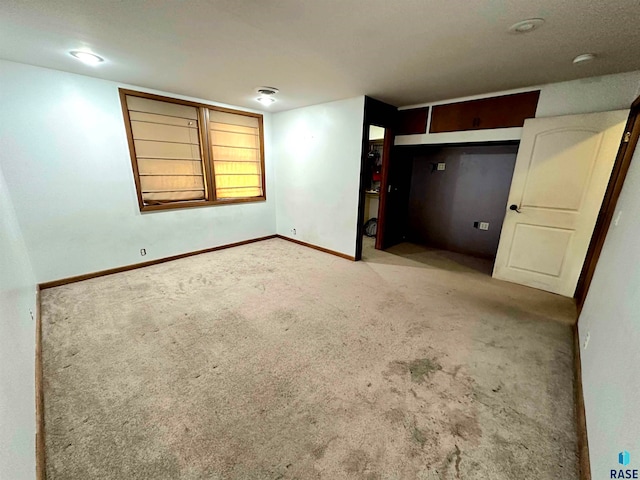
[{"x": 561, "y": 174}]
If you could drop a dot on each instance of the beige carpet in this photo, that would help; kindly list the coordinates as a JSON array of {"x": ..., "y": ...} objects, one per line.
[{"x": 275, "y": 361}]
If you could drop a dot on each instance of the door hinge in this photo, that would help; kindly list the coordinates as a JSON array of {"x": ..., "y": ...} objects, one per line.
[{"x": 627, "y": 137}]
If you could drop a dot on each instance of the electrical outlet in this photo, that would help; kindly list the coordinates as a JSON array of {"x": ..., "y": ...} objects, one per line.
[
  {"x": 483, "y": 225},
  {"x": 586, "y": 340},
  {"x": 143, "y": 252},
  {"x": 442, "y": 166},
  {"x": 293, "y": 230}
]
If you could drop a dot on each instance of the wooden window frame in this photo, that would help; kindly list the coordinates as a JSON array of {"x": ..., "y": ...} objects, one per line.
[{"x": 205, "y": 152}]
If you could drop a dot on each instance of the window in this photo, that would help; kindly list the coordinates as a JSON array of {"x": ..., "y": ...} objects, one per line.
[
  {"x": 186, "y": 154},
  {"x": 235, "y": 150}
]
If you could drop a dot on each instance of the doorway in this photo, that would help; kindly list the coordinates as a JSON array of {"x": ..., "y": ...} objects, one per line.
[
  {"x": 372, "y": 186},
  {"x": 379, "y": 123}
]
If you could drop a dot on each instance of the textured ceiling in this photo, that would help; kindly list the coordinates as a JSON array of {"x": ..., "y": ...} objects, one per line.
[{"x": 403, "y": 52}]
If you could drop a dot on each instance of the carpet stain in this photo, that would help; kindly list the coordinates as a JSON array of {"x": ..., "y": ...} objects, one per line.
[
  {"x": 420, "y": 369},
  {"x": 418, "y": 436},
  {"x": 319, "y": 451},
  {"x": 358, "y": 463},
  {"x": 395, "y": 415},
  {"x": 465, "y": 427}
]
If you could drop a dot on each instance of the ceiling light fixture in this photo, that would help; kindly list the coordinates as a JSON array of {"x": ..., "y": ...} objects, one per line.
[
  {"x": 86, "y": 57},
  {"x": 266, "y": 101},
  {"x": 526, "y": 26},
  {"x": 584, "y": 58},
  {"x": 266, "y": 97}
]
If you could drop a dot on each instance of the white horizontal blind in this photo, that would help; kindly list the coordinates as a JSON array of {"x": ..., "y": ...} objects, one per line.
[
  {"x": 236, "y": 154},
  {"x": 167, "y": 148}
]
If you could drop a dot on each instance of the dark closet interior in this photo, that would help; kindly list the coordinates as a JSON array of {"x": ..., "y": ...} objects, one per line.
[{"x": 456, "y": 195}]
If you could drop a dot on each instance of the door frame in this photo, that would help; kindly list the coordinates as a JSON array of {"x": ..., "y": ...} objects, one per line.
[
  {"x": 389, "y": 138},
  {"x": 607, "y": 210},
  {"x": 382, "y": 115}
]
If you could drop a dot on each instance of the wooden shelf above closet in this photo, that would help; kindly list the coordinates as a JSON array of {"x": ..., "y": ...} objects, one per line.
[
  {"x": 413, "y": 120},
  {"x": 495, "y": 112}
]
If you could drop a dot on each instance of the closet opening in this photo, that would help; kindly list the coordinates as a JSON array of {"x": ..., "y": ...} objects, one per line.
[
  {"x": 458, "y": 196},
  {"x": 449, "y": 201}
]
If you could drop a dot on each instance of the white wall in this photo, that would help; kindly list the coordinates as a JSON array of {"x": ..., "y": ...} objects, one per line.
[
  {"x": 318, "y": 173},
  {"x": 596, "y": 94},
  {"x": 17, "y": 349},
  {"x": 611, "y": 319},
  {"x": 66, "y": 162}
]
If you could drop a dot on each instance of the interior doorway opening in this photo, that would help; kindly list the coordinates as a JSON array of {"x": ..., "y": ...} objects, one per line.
[
  {"x": 379, "y": 122},
  {"x": 373, "y": 181}
]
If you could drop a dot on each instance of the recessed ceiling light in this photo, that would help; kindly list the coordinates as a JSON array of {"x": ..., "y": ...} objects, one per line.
[
  {"x": 266, "y": 100},
  {"x": 526, "y": 26},
  {"x": 266, "y": 95},
  {"x": 584, "y": 58},
  {"x": 86, "y": 57}
]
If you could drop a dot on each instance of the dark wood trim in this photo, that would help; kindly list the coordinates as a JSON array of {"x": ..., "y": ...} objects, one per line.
[
  {"x": 132, "y": 147},
  {"x": 209, "y": 177},
  {"x": 504, "y": 111},
  {"x": 205, "y": 155},
  {"x": 162, "y": 98},
  {"x": 315, "y": 247},
  {"x": 41, "y": 472},
  {"x": 584, "y": 467},
  {"x": 384, "y": 188},
  {"x": 263, "y": 176},
  {"x": 412, "y": 121},
  {"x": 383, "y": 115},
  {"x": 213, "y": 203},
  {"x": 87, "y": 276},
  {"x": 609, "y": 203},
  {"x": 231, "y": 110},
  {"x": 205, "y": 147},
  {"x": 362, "y": 196}
]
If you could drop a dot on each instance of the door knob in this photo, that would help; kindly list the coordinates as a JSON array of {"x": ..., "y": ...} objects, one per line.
[{"x": 515, "y": 208}]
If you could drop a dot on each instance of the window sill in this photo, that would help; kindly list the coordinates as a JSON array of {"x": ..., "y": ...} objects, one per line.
[{"x": 207, "y": 203}]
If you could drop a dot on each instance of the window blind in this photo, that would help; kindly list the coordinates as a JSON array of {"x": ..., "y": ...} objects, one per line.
[
  {"x": 189, "y": 154},
  {"x": 236, "y": 154},
  {"x": 167, "y": 149}
]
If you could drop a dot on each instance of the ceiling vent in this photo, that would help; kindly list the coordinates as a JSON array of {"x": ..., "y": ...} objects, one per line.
[{"x": 267, "y": 90}]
